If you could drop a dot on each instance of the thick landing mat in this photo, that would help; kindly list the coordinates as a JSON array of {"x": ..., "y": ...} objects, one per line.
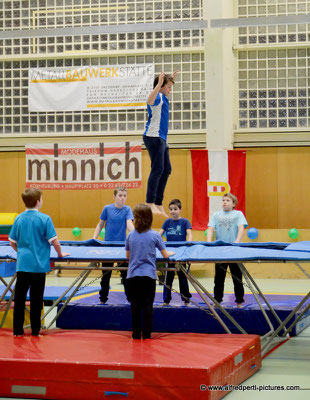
[
  {"x": 88, "y": 313},
  {"x": 94, "y": 365}
]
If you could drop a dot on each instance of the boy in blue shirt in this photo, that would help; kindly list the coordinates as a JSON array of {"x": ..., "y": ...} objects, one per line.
[
  {"x": 229, "y": 226},
  {"x": 31, "y": 236},
  {"x": 117, "y": 218},
  {"x": 155, "y": 140},
  {"x": 177, "y": 229}
]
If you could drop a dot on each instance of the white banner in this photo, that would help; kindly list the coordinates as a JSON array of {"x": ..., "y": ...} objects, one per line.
[
  {"x": 115, "y": 87},
  {"x": 83, "y": 166}
]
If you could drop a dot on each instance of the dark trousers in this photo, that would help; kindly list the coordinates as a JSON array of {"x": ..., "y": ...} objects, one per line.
[
  {"x": 160, "y": 169},
  {"x": 36, "y": 283},
  {"x": 219, "y": 279},
  {"x": 183, "y": 285},
  {"x": 105, "y": 281},
  {"x": 142, "y": 293}
]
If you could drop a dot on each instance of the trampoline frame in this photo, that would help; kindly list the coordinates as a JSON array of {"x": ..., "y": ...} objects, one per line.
[{"x": 272, "y": 337}]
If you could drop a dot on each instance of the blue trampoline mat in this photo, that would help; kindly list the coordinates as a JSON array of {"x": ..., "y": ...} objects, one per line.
[
  {"x": 94, "y": 250},
  {"x": 287, "y": 301},
  {"x": 54, "y": 292}
]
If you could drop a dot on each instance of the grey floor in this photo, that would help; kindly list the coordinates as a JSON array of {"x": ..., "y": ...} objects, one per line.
[{"x": 288, "y": 365}]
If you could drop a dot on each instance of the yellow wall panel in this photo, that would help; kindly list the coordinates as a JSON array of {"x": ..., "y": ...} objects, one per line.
[
  {"x": 9, "y": 178},
  {"x": 293, "y": 187},
  {"x": 21, "y": 162},
  {"x": 277, "y": 192},
  {"x": 177, "y": 183},
  {"x": 262, "y": 187}
]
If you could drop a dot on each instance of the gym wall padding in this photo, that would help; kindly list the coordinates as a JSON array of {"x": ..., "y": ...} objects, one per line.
[{"x": 7, "y": 218}]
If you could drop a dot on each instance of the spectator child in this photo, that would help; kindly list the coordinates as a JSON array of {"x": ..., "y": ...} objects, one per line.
[
  {"x": 31, "y": 236},
  {"x": 229, "y": 226},
  {"x": 117, "y": 218},
  {"x": 177, "y": 229}
]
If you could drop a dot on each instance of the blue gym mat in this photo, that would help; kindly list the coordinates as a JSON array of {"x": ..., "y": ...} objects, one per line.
[
  {"x": 88, "y": 313},
  {"x": 54, "y": 292}
]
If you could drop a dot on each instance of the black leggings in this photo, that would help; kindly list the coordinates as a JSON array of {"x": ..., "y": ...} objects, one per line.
[
  {"x": 105, "y": 280},
  {"x": 142, "y": 293},
  {"x": 36, "y": 283},
  {"x": 219, "y": 279},
  {"x": 183, "y": 285}
]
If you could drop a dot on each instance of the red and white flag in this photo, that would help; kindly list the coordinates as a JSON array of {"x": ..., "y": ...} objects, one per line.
[{"x": 214, "y": 174}]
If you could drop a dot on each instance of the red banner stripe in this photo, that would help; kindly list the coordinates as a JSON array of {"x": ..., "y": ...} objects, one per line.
[
  {"x": 200, "y": 166},
  {"x": 236, "y": 176},
  {"x": 107, "y": 150},
  {"x": 118, "y": 150},
  {"x": 39, "y": 151}
]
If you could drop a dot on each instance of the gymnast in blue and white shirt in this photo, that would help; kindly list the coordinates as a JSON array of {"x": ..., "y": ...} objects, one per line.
[{"x": 155, "y": 140}]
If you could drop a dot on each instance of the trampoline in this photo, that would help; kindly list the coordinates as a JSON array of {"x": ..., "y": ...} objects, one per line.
[{"x": 95, "y": 251}]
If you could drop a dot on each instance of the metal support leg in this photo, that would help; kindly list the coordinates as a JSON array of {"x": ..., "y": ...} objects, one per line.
[
  {"x": 8, "y": 287},
  {"x": 267, "y": 335},
  {"x": 282, "y": 326},
  {"x": 82, "y": 278},
  {"x": 258, "y": 302},
  {"x": 61, "y": 297},
  {"x": 247, "y": 274},
  {"x": 198, "y": 285},
  {"x": 302, "y": 270},
  {"x": 7, "y": 308},
  {"x": 297, "y": 319}
]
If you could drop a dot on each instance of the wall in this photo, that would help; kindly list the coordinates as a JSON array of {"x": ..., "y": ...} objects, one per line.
[
  {"x": 276, "y": 190},
  {"x": 276, "y": 187}
]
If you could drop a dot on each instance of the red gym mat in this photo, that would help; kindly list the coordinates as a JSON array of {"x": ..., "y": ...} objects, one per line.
[{"x": 93, "y": 365}]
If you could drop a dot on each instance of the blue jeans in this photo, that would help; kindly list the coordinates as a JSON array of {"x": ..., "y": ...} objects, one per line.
[{"x": 160, "y": 168}]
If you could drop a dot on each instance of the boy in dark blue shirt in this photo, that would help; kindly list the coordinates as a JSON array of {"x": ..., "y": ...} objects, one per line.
[{"x": 177, "y": 229}]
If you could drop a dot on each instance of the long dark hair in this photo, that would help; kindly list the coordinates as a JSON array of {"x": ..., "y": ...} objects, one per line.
[{"x": 143, "y": 218}]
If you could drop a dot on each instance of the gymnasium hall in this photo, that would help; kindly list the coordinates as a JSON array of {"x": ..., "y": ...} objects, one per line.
[{"x": 78, "y": 113}]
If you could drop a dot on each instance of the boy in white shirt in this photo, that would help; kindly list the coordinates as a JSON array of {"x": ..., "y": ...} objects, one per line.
[{"x": 229, "y": 226}]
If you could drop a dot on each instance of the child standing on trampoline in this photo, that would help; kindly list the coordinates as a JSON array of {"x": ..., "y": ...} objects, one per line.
[
  {"x": 177, "y": 229},
  {"x": 229, "y": 226},
  {"x": 155, "y": 140},
  {"x": 31, "y": 237},
  {"x": 117, "y": 218},
  {"x": 140, "y": 248}
]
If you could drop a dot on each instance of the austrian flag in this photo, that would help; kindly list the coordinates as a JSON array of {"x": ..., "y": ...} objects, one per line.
[{"x": 214, "y": 174}]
